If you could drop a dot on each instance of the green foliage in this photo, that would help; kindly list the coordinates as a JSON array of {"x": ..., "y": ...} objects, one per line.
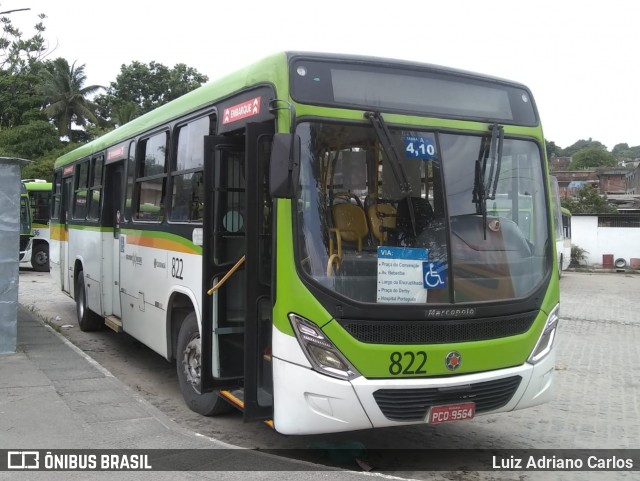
[
  {"x": 19, "y": 54},
  {"x": 588, "y": 201},
  {"x": 578, "y": 256},
  {"x": 623, "y": 151},
  {"x": 591, "y": 157},
  {"x": 583, "y": 144},
  {"x": 552, "y": 149},
  {"x": 42, "y": 168},
  {"x": 124, "y": 112},
  {"x": 140, "y": 88},
  {"x": 66, "y": 96},
  {"x": 29, "y": 141},
  {"x": 20, "y": 62}
]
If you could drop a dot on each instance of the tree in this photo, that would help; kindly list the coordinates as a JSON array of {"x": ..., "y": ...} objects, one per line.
[
  {"x": 20, "y": 61},
  {"x": 582, "y": 144},
  {"x": 18, "y": 54},
  {"x": 552, "y": 149},
  {"x": 66, "y": 97},
  {"x": 589, "y": 201},
  {"x": 623, "y": 151},
  {"x": 140, "y": 88},
  {"x": 42, "y": 168},
  {"x": 592, "y": 157},
  {"x": 29, "y": 141}
]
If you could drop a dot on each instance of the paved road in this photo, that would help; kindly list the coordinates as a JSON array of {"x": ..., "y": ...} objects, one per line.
[{"x": 598, "y": 386}]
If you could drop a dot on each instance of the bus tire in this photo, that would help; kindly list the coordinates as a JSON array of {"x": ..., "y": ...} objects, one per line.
[
  {"x": 40, "y": 258},
  {"x": 87, "y": 319},
  {"x": 188, "y": 368}
]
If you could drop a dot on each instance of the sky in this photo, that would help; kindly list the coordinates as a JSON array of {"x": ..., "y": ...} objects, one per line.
[{"x": 579, "y": 58}]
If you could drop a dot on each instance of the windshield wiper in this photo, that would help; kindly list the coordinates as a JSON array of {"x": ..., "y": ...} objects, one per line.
[
  {"x": 485, "y": 187},
  {"x": 384, "y": 136},
  {"x": 382, "y": 131},
  {"x": 497, "y": 136}
]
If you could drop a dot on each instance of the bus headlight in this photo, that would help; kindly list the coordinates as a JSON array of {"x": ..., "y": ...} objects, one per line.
[
  {"x": 545, "y": 343},
  {"x": 320, "y": 351}
]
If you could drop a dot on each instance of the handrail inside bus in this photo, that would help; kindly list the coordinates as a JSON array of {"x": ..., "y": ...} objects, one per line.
[{"x": 226, "y": 276}]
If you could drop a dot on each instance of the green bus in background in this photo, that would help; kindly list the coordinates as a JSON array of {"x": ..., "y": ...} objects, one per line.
[
  {"x": 37, "y": 253},
  {"x": 329, "y": 243},
  {"x": 25, "y": 225}
]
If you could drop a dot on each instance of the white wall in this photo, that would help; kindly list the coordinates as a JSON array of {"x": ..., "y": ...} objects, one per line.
[{"x": 621, "y": 242}]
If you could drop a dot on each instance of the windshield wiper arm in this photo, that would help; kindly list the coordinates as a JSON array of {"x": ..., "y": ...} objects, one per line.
[
  {"x": 382, "y": 131},
  {"x": 384, "y": 136},
  {"x": 485, "y": 187},
  {"x": 497, "y": 136}
]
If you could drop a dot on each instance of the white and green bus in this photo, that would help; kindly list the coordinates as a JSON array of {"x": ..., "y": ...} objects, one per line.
[
  {"x": 37, "y": 254},
  {"x": 310, "y": 239},
  {"x": 25, "y": 225}
]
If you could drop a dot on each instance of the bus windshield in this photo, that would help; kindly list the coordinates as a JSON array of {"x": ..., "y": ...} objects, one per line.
[{"x": 409, "y": 228}]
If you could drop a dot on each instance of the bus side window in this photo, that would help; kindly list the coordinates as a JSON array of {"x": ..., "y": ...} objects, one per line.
[
  {"x": 131, "y": 171},
  {"x": 187, "y": 172},
  {"x": 151, "y": 184}
]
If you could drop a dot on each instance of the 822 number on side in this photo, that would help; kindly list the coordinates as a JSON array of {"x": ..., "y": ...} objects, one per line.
[
  {"x": 177, "y": 266},
  {"x": 407, "y": 363}
]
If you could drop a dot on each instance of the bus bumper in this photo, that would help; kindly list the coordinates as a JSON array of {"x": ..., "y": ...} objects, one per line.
[{"x": 306, "y": 402}]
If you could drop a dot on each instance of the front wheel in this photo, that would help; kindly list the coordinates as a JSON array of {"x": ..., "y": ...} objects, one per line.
[
  {"x": 87, "y": 319},
  {"x": 40, "y": 258},
  {"x": 189, "y": 369}
]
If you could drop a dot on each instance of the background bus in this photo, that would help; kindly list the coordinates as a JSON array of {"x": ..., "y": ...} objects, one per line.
[
  {"x": 25, "y": 225},
  {"x": 37, "y": 255},
  {"x": 313, "y": 239},
  {"x": 562, "y": 227}
]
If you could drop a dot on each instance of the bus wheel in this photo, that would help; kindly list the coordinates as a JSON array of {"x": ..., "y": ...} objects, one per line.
[
  {"x": 87, "y": 319},
  {"x": 188, "y": 367},
  {"x": 40, "y": 258}
]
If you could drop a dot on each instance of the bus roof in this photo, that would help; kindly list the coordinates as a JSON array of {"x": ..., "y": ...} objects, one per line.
[
  {"x": 265, "y": 71},
  {"x": 36, "y": 184},
  {"x": 270, "y": 70}
]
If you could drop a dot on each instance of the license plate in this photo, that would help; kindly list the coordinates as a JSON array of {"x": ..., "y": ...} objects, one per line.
[{"x": 451, "y": 412}]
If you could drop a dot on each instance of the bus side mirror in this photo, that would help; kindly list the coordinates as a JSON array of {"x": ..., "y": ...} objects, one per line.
[{"x": 284, "y": 168}]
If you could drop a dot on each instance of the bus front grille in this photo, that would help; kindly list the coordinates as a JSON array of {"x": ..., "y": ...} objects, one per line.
[
  {"x": 438, "y": 332},
  {"x": 413, "y": 404}
]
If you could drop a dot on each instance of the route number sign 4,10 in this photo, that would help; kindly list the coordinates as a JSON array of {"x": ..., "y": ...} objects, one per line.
[{"x": 451, "y": 412}]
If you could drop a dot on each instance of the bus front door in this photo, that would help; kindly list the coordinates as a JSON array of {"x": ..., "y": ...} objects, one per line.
[{"x": 237, "y": 315}]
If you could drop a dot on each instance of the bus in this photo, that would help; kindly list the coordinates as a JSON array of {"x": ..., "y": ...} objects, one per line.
[
  {"x": 39, "y": 193},
  {"x": 562, "y": 228},
  {"x": 309, "y": 240},
  {"x": 25, "y": 225}
]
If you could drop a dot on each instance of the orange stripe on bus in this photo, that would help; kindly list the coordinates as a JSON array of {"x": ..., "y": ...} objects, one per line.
[{"x": 158, "y": 243}]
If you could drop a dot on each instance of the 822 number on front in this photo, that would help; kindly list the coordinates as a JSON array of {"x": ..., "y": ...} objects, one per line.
[{"x": 407, "y": 362}]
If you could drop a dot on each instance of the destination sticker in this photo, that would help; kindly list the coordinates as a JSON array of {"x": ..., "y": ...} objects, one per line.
[
  {"x": 401, "y": 274},
  {"x": 418, "y": 147}
]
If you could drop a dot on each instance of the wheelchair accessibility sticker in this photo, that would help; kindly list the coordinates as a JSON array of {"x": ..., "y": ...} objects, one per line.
[{"x": 434, "y": 275}]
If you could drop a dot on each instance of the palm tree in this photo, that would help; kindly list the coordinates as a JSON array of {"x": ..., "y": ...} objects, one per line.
[
  {"x": 124, "y": 112},
  {"x": 65, "y": 97}
]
